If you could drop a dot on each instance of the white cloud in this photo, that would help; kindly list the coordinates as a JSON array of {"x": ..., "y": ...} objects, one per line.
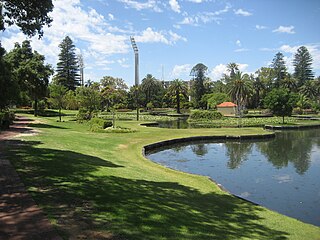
[
  {"x": 111, "y": 17},
  {"x": 181, "y": 70},
  {"x": 284, "y": 29},
  {"x": 150, "y": 4},
  {"x": 149, "y": 35},
  {"x": 260, "y": 27},
  {"x": 174, "y": 5},
  {"x": 204, "y": 17},
  {"x": 238, "y": 43},
  {"x": 242, "y": 50},
  {"x": 218, "y": 71},
  {"x": 242, "y": 12}
]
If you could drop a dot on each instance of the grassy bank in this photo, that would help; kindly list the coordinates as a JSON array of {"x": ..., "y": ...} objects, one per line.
[{"x": 99, "y": 186}]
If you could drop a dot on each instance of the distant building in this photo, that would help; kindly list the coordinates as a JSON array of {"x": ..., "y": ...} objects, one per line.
[{"x": 227, "y": 108}]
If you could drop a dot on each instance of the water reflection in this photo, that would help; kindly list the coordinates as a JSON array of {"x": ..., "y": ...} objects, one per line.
[
  {"x": 237, "y": 153},
  {"x": 281, "y": 174}
]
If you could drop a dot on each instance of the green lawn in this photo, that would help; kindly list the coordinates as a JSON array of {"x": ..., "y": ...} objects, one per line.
[{"x": 99, "y": 186}]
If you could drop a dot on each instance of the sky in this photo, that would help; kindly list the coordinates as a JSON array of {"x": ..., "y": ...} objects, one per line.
[{"x": 174, "y": 35}]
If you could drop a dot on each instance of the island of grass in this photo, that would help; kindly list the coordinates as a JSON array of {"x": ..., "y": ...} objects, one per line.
[{"x": 100, "y": 186}]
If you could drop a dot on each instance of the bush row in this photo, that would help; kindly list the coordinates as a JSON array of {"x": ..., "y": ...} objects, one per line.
[
  {"x": 97, "y": 124},
  {"x": 204, "y": 115}
]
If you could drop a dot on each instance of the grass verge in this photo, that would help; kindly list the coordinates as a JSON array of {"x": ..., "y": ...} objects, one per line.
[{"x": 99, "y": 186}]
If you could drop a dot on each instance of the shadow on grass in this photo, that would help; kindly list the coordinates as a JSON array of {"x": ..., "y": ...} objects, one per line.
[
  {"x": 88, "y": 205},
  {"x": 43, "y": 125}
]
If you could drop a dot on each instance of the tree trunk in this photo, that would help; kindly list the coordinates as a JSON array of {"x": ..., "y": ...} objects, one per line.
[
  {"x": 178, "y": 102},
  {"x": 282, "y": 119},
  {"x": 35, "y": 107},
  {"x": 60, "y": 114}
]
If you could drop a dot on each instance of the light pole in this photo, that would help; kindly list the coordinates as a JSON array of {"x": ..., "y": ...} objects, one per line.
[{"x": 136, "y": 71}]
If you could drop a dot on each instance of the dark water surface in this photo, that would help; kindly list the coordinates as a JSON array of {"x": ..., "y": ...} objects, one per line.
[{"x": 282, "y": 174}]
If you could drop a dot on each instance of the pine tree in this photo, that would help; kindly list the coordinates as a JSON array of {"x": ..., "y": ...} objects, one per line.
[
  {"x": 279, "y": 66},
  {"x": 302, "y": 66},
  {"x": 67, "y": 67}
]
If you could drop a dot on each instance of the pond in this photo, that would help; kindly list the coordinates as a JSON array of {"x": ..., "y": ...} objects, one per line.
[{"x": 282, "y": 174}]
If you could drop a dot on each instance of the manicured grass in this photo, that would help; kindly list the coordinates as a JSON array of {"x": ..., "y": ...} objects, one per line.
[{"x": 99, "y": 186}]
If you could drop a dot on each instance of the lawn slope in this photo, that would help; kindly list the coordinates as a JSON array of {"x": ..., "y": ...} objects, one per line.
[{"x": 99, "y": 186}]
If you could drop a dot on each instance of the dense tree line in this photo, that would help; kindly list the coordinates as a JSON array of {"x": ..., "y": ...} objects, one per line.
[{"x": 24, "y": 78}]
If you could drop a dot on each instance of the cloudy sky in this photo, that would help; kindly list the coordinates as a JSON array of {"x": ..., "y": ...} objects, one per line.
[{"x": 174, "y": 35}]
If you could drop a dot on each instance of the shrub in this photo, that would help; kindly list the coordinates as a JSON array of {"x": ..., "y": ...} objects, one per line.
[
  {"x": 83, "y": 115},
  {"x": 204, "y": 115},
  {"x": 41, "y": 105},
  {"x": 97, "y": 124},
  {"x": 6, "y": 118}
]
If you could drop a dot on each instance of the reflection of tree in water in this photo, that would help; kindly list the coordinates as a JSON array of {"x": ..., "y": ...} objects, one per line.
[
  {"x": 290, "y": 146},
  {"x": 237, "y": 153},
  {"x": 178, "y": 148},
  {"x": 199, "y": 149}
]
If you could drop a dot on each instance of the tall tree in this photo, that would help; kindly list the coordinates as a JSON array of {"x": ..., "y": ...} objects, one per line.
[
  {"x": 198, "y": 72},
  {"x": 302, "y": 66},
  {"x": 240, "y": 89},
  {"x": 233, "y": 68},
  {"x": 67, "y": 67},
  {"x": 29, "y": 15},
  {"x": 30, "y": 70},
  {"x": 9, "y": 85},
  {"x": 152, "y": 90},
  {"x": 279, "y": 67},
  {"x": 113, "y": 91},
  {"x": 176, "y": 88}
]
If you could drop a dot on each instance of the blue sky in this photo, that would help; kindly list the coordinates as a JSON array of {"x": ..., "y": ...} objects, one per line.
[{"x": 174, "y": 35}]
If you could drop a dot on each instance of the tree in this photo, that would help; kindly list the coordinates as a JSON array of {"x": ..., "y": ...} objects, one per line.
[
  {"x": 214, "y": 99},
  {"x": 67, "y": 67},
  {"x": 309, "y": 89},
  {"x": 279, "y": 67},
  {"x": 240, "y": 89},
  {"x": 289, "y": 82},
  {"x": 9, "y": 86},
  {"x": 29, "y": 15},
  {"x": 153, "y": 90},
  {"x": 57, "y": 96},
  {"x": 113, "y": 92},
  {"x": 302, "y": 66},
  {"x": 89, "y": 99},
  {"x": 280, "y": 101},
  {"x": 198, "y": 72},
  {"x": 233, "y": 68},
  {"x": 176, "y": 88},
  {"x": 30, "y": 71}
]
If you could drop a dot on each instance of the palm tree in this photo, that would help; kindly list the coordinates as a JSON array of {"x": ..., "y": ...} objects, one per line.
[
  {"x": 240, "y": 89},
  {"x": 289, "y": 82},
  {"x": 233, "y": 68},
  {"x": 176, "y": 88},
  {"x": 309, "y": 89}
]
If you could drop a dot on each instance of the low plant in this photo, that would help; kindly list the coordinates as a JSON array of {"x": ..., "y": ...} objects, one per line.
[
  {"x": 97, "y": 124},
  {"x": 6, "y": 119},
  {"x": 204, "y": 115}
]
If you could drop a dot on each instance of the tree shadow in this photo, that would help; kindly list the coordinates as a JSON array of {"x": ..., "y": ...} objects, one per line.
[
  {"x": 43, "y": 125},
  {"x": 85, "y": 202}
]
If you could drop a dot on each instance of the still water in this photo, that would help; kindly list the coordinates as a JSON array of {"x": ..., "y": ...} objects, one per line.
[{"x": 282, "y": 174}]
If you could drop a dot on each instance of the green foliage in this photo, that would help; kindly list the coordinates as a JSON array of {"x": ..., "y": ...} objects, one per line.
[
  {"x": 30, "y": 71},
  {"x": 178, "y": 89},
  {"x": 71, "y": 102},
  {"x": 302, "y": 66},
  {"x": 6, "y": 118},
  {"x": 89, "y": 99},
  {"x": 204, "y": 115},
  {"x": 9, "y": 85},
  {"x": 29, "y": 15},
  {"x": 68, "y": 67},
  {"x": 279, "y": 67},
  {"x": 198, "y": 72},
  {"x": 213, "y": 99},
  {"x": 152, "y": 90},
  {"x": 97, "y": 124},
  {"x": 42, "y": 105},
  {"x": 281, "y": 102}
]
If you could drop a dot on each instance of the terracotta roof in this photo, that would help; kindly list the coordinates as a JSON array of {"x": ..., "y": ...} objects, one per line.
[{"x": 227, "y": 104}]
